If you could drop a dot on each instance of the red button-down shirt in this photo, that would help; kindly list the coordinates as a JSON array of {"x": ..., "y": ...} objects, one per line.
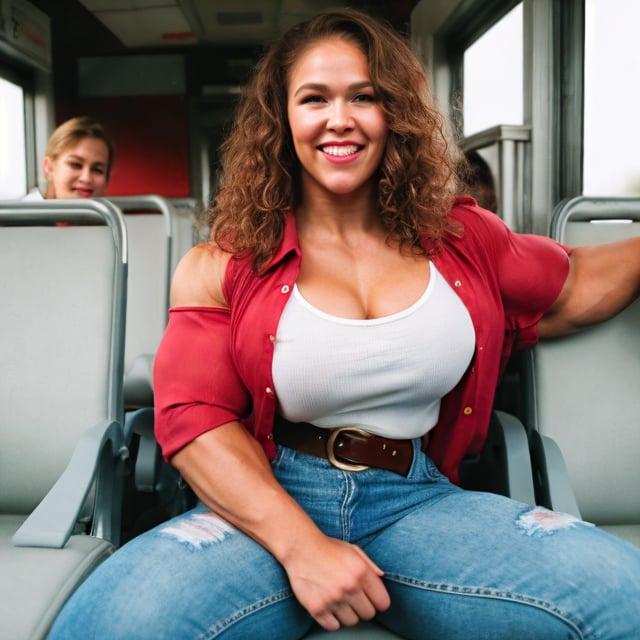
[{"x": 214, "y": 365}]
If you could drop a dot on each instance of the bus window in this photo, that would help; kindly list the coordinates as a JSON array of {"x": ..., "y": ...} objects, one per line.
[
  {"x": 611, "y": 128},
  {"x": 13, "y": 166},
  {"x": 493, "y": 76}
]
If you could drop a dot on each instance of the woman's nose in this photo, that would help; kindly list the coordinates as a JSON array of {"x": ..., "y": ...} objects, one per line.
[{"x": 340, "y": 117}]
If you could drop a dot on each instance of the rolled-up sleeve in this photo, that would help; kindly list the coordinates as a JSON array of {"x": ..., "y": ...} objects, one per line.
[
  {"x": 532, "y": 270},
  {"x": 196, "y": 385}
]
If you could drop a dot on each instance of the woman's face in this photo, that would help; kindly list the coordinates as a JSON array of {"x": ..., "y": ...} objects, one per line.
[
  {"x": 80, "y": 171},
  {"x": 337, "y": 124}
]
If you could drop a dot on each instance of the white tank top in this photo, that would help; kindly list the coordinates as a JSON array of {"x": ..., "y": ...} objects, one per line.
[{"x": 385, "y": 375}]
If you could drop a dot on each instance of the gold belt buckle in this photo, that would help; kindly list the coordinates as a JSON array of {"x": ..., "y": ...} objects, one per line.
[{"x": 331, "y": 454}]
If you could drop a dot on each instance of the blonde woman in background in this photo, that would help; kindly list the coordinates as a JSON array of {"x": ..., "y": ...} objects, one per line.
[{"x": 78, "y": 160}]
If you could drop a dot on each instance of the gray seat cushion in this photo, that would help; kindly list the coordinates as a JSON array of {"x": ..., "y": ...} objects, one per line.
[
  {"x": 362, "y": 631},
  {"x": 30, "y": 598},
  {"x": 628, "y": 532}
]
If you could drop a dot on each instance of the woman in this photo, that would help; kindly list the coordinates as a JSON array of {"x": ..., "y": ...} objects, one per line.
[
  {"x": 78, "y": 160},
  {"x": 345, "y": 286},
  {"x": 478, "y": 180}
]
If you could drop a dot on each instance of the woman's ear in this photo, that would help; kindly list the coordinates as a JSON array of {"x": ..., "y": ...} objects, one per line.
[{"x": 47, "y": 167}]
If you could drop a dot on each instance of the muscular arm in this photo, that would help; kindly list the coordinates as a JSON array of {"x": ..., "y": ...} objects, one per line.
[
  {"x": 603, "y": 279},
  {"x": 335, "y": 581}
]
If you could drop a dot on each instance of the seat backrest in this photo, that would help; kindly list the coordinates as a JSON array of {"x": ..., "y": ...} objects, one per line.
[
  {"x": 585, "y": 386},
  {"x": 186, "y": 227},
  {"x": 150, "y": 223},
  {"x": 63, "y": 292}
]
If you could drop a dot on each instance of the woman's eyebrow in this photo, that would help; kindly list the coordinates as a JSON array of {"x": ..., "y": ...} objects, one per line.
[
  {"x": 77, "y": 158},
  {"x": 316, "y": 86}
]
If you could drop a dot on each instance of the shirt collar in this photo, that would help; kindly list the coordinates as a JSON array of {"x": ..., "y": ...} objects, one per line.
[{"x": 289, "y": 242}]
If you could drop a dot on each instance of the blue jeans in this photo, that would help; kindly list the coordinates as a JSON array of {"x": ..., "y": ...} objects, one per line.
[{"x": 458, "y": 565}]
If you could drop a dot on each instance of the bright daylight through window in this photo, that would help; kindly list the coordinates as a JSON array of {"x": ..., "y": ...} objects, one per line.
[{"x": 13, "y": 178}]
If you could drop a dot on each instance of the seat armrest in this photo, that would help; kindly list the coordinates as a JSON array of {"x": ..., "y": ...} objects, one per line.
[
  {"x": 519, "y": 476},
  {"x": 138, "y": 382},
  {"x": 504, "y": 464},
  {"x": 551, "y": 469},
  {"x": 52, "y": 521},
  {"x": 148, "y": 459}
]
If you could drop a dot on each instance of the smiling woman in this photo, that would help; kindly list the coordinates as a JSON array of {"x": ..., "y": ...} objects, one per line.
[
  {"x": 329, "y": 361},
  {"x": 78, "y": 159}
]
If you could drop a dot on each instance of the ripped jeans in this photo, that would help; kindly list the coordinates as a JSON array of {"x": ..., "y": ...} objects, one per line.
[{"x": 458, "y": 565}]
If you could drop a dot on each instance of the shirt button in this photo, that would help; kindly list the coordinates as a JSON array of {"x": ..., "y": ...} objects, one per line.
[
  {"x": 457, "y": 283},
  {"x": 467, "y": 411},
  {"x": 272, "y": 338},
  {"x": 285, "y": 288},
  {"x": 269, "y": 391},
  {"x": 270, "y": 436}
]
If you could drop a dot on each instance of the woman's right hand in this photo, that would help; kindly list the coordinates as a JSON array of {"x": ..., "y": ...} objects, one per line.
[{"x": 336, "y": 582}]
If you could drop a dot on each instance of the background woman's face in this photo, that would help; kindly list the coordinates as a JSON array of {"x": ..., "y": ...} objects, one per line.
[{"x": 80, "y": 171}]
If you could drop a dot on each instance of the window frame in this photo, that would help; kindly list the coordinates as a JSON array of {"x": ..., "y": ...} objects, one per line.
[{"x": 553, "y": 99}]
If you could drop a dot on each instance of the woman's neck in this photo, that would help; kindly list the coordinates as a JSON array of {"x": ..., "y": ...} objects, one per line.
[{"x": 338, "y": 215}]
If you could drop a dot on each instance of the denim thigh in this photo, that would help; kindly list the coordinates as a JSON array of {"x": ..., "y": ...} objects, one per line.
[
  {"x": 462, "y": 564},
  {"x": 457, "y": 564},
  {"x": 194, "y": 577}
]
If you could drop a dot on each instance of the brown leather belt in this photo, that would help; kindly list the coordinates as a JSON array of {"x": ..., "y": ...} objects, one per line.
[{"x": 347, "y": 448}]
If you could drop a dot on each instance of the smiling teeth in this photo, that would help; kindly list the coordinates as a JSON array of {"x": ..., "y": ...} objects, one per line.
[{"x": 345, "y": 150}]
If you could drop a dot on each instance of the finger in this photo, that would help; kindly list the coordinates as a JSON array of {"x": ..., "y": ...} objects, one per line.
[
  {"x": 328, "y": 621},
  {"x": 370, "y": 562},
  {"x": 346, "y": 615},
  {"x": 377, "y": 593},
  {"x": 362, "y": 606}
]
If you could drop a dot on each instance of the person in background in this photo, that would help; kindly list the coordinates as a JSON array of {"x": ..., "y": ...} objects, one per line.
[
  {"x": 331, "y": 357},
  {"x": 478, "y": 180},
  {"x": 77, "y": 161}
]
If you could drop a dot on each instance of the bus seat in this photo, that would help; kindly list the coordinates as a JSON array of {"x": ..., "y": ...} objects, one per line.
[
  {"x": 188, "y": 227},
  {"x": 581, "y": 393},
  {"x": 362, "y": 631},
  {"x": 155, "y": 230},
  {"x": 63, "y": 292},
  {"x": 504, "y": 464},
  {"x": 149, "y": 220}
]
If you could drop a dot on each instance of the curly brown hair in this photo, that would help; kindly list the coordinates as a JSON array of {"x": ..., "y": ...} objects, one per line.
[{"x": 417, "y": 178}]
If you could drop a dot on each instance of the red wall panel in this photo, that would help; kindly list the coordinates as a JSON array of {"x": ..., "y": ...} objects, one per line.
[{"x": 151, "y": 137}]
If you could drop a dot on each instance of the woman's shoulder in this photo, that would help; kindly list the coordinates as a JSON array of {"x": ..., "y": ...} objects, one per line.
[
  {"x": 33, "y": 196},
  {"x": 467, "y": 210},
  {"x": 486, "y": 234},
  {"x": 478, "y": 226},
  {"x": 198, "y": 280}
]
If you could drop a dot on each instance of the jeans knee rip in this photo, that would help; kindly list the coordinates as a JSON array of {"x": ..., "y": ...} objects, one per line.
[
  {"x": 539, "y": 521},
  {"x": 199, "y": 530}
]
